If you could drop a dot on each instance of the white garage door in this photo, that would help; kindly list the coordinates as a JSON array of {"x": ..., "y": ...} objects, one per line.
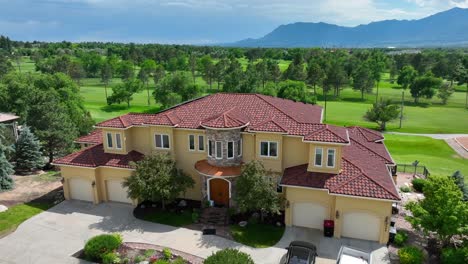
[
  {"x": 309, "y": 215},
  {"x": 117, "y": 193},
  {"x": 361, "y": 225},
  {"x": 81, "y": 189}
]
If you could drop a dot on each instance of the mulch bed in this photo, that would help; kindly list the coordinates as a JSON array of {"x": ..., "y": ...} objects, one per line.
[
  {"x": 154, "y": 207},
  {"x": 269, "y": 219}
]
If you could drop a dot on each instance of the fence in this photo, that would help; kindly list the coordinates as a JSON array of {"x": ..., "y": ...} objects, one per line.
[{"x": 410, "y": 168}]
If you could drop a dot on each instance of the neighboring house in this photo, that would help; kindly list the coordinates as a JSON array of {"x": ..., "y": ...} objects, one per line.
[
  {"x": 11, "y": 123},
  {"x": 323, "y": 171}
]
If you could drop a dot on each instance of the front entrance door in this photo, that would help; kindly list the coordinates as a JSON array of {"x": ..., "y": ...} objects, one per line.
[{"x": 219, "y": 192}]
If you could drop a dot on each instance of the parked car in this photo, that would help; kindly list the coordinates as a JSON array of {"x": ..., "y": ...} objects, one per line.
[
  {"x": 349, "y": 255},
  {"x": 300, "y": 252}
]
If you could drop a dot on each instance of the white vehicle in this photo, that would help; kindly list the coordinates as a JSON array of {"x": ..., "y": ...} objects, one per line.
[{"x": 349, "y": 255}]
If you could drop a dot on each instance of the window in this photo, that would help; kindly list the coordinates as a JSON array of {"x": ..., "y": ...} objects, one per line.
[
  {"x": 118, "y": 141},
  {"x": 318, "y": 157},
  {"x": 331, "y": 158},
  {"x": 268, "y": 149},
  {"x": 162, "y": 141},
  {"x": 210, "y": 148},
  {"x": 191, "y": 142},
  {"x": 230, "y": 149},
  {"x": 109, "y": 140},
  {"x": 201, "y": 143},
  {"x": 219, "y": 149},
  {"x": 239, "y": 147}
]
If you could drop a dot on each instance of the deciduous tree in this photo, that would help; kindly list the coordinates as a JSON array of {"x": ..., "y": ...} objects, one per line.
[
  {"x": 382, "y": 112},
  {"x": 363, "y": 80},
  {"x": 407, "y": 76},
  {"x": 124, "y": 92},
  {"x": 156, "y": 178},
  {"x": 425, "y": 86}
]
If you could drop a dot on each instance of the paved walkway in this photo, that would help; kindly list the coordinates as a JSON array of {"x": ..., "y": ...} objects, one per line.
[{"x": 53, "y": 236}]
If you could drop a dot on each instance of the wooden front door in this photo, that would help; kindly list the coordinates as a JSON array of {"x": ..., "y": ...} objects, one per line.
[{"x": 219, "y": 192}]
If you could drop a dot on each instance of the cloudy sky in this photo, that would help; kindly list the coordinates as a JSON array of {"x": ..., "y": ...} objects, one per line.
[{"x": 192, "y": 21}]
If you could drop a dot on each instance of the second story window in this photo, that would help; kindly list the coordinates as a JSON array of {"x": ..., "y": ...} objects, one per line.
[
  {"x": 239, "y": 147},
  {"x": 162, "y": 141},
  {"x": 118, "y": 141},
  {"x": 191, "y": 142},
  {"x": 219, "y": 150},
  {"x": 230, "y": 149},
  {"x": 110, "y": 143},
  {"x": 201, "y": 143},
  {"x": 318, "y": 157},
  {"x": 210, "y": 148},
  {"x": 331, "y": 158},
  {"x": 269, "y": 149}
]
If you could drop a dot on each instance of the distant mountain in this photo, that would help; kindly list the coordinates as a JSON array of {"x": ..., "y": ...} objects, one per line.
[{"x": 448, "y": 28}]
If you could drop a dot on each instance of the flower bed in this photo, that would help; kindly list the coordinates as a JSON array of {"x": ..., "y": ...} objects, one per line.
[{"x": 174, "y": 214}]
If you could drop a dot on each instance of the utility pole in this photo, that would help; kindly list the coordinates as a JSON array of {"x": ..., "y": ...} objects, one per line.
[{"x": 402, "y": 105}]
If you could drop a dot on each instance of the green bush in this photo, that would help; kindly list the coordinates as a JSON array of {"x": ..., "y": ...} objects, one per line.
[
  {"x": 167, "y": 254},
  {"x": 418, "y": 184},
  {"x": 400, "y": 238},
  {"x": 161, "y": 261},
  {"x": 455, "y": 256},
  {"x": 195, "y": 217},
  {"x": 229, "y": 256},
  {"x": 138, "y": 259},
  {"x": 179, "y": 260},
  {"x": 111, "y": 258},
  {"x": 405, "y": 189},
  {"x": 410, "y": 255},
  {"x": 98, "y": 246}
]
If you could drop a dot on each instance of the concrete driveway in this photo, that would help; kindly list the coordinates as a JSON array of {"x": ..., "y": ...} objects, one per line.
[
  {"x": 328, "y": 247},
  {"x": 53, "y": 236}
]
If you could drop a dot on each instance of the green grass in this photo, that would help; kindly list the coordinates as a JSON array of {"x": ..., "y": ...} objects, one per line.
[
  {"x": 257, "y": 235},
  {"x": 170, "y": 218},
  {"x": 49, "y": 176},
  {"x": 436, "y": 155},
  {"x": 15, "y": 215}
]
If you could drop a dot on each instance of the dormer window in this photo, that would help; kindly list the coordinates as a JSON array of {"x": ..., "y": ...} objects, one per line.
[
  {"x": 118, "y": 141},
  {"x": 110, "y": 143},
  {"x": 331, "y": 158},
  {"x": 318, "y": 157}
]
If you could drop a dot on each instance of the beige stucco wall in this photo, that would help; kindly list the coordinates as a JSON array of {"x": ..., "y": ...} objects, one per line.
[
  {"x": 271, "y": 163},
  {"x": 248, "y": 147},
  {"x": 379, "y": 208},
  {"x": 124, "y": 135},
  {"x": 140, "y": 139},
  {"x": 324, "y": 168},
  {"x": 295, "y": 152}
]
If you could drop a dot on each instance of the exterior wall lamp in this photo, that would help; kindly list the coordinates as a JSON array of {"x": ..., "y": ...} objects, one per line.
[
  {"x": 287, "y": 204},
  {"x": 337, "y": 214},
  {"x": 93, "y": 184}
]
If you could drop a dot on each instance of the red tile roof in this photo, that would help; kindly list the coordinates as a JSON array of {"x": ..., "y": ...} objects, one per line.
[
  {"x": 226, "y": 110},
  {"x": 363, "y": 173},
  {"x": 95, "y": 137},
  {"x": 95, "y": 156}
]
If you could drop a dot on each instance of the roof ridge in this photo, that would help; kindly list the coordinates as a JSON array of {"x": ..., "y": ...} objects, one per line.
[
  {"x": 367, "y": 176},
  {"x": 122, "y": 121},
  {"x": 335, "y": 133},
  {"x": 369, "y": 149}
]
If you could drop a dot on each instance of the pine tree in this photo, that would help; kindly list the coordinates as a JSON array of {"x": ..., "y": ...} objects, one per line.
[
  {"x": 6, "y": 169},
  {"x": 460, "y": 182},
  {"x": 28, "y": 152}
]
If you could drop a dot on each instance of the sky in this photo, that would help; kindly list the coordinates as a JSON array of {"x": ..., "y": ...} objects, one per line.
[{"x": 192, "y": 21}]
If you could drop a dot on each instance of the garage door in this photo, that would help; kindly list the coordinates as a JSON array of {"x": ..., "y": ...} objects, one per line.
[
  {"x": 117, "y": 193},
  {"x": 361, "y": 225},
  {"x": 81, "y": 189},
  {"x": 309, "y": 215}
]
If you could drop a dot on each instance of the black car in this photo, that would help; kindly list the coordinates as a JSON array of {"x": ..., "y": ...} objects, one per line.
[{"x": 300, "y": 252}]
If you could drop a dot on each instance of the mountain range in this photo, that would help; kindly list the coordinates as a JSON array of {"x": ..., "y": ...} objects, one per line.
[{"x": 448, "y": 28}]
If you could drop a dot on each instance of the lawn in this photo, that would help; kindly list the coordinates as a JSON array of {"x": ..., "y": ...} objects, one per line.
[
  {"x": 15, "y": 215},
  {"x": 257, "y": 235},
  {"x": 169, "y": 218},
  {"x": 436, "y": 155}
]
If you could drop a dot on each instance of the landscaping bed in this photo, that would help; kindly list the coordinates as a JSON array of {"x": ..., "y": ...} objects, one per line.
[{"x": 174, "y": 214}]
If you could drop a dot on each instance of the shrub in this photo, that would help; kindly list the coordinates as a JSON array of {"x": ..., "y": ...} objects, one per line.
[
  {"x": 410, "y": 255},
  {"x": 167, "y": 254},
  {"x": 195, "y": 217},
  {"x": 229, "y": 256},
  {"x": 179, "y": 260},
  {"x": 161, "y": 261},
  {"x": 405, "y": 189},
  {"x": 98, "y": 246},
  {"x": 418, "y": 184},
  {"x": 400, "y": 238},
  {"x": 455, "y": 255},
  {"x": 148, "y": 253},
  {"x": 138, "y": 259},
  {"x": 111, "y": 258}
]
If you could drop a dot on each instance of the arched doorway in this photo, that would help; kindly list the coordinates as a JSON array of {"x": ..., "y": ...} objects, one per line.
[{"x": 219, "y": 192}]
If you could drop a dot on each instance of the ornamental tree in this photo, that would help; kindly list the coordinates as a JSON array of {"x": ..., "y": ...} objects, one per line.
[
  {"x": 382, "y": 112},
  {"x": 156, "y": 178},
  {"x": 28, "y": 153},
  {"x": 441, "y": 211},
  {"x": 255, "y": 191}
]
